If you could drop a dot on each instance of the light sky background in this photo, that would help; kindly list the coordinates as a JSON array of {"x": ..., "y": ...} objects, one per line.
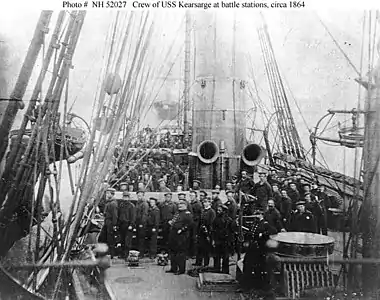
[{"x": 317, "y": 73}]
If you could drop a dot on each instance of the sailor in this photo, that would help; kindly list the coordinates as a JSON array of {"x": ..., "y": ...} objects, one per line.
[
  {"x": 127, "y": 219},
  {"x": 245, "y": 184},
  {"x": 319, "y": 212},
  {"x": 254, "y": 264},
  {"x": 152, "y": 226},
  {"x": 110, "y": 221},
  {"x": 273, "y": 217},
  {"x": 305, "y": 190},
  {"x": 196, "y": 185},
  {"x": 204, "y": 242},
  {"x": 142, "y": 209},
  {"x": 123, "y": 186},
  {"x": 167, "y": 210},
  {"x": 163, "y": 166},
  {"x": 262, "y": 190},
  {"x": 285, "y": 207},
  {"x": 293, "y": 193},
  {"x": 202, "y": 196},
  {"x": 276, "y": 194},
  {"x": 163, "y": 188},
  {"x": 196, "y": 208},
  {"x": 302, "y": 220},
  {"x": 182, "y": 197},
  {"x": 229, "y": 186},
  {"x": 223, "y": 237},
  {"x": 216, "y": 201},
  {"x": 178, "y": 239},
  {"x": 231, "y": 205}
]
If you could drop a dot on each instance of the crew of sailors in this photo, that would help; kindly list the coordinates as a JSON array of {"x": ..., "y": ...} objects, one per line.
[
  {"x": 148, "y": 138},
  {"x": 206, "y": 227},
  {"x": 153, "y": 173}
]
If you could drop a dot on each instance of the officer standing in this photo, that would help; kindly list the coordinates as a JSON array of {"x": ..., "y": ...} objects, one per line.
[
  {"x": 223, "y": 233},
  {"x": 110, "y": 221},
  {"x": 142, "y": 209},
  {"x": 127, "y": 219},
  {"x": 196, "y": 208},
  {"x": 152, "y": 226},
  {"x": 254, "y": 263},
  {"x": 204, "y": 243},
  {"x": 178, "y": 239},
  {"x": 167, "y": 209}
]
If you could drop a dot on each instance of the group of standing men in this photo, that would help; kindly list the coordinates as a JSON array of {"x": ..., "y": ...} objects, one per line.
[{"x": 201, "y": 227}]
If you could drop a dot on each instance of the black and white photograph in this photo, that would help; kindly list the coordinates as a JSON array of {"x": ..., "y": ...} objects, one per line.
[{"x": 189, "y": 149}]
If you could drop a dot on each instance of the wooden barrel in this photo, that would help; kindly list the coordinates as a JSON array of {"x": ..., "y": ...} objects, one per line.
[{"x": 303, "y": 244}]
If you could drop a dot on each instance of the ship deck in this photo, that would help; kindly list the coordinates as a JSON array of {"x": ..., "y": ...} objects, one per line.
[{"x": 149, "y": 281}]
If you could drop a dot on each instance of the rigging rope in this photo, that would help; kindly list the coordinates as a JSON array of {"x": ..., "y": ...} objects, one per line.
[{"x": 336, "y": 44}]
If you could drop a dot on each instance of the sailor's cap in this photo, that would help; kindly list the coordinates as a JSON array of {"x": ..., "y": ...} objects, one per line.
[
  {"x": 168, "y": 193},
  {"x": 153, "y": 198},
  {"x": 300, "y": 203},
  {"x": 203, "y": 192},
  {"x": 197, "y": 181},
  {"x": 181, "y": 195},
  {"x": 141, "y": 191},
  {"x": 112, "y": 190},
  {"x": 229, "y": 192}
]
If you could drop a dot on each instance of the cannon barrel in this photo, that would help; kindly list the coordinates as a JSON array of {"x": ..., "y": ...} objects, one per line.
[
  {"x": 252, "y": 154},
  {"x": 208, "y": 152}
]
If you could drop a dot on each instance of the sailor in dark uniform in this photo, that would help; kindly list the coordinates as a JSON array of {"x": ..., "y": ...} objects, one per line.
[
  {"x": 223, "y": 237},
  {"x": 152, "y": 226},
  {"x": 142, "y": 209},
  {"x": 246, "y": 184},
  {"x": 127, "y": 219},
  {"x": 168, "y": 209},
  {"x": 196, "y": 185},
  {"x": 182, "y": 197},
  {"x": 231, "y": 205},
  {"x": 262, "y": 190},
  {"x": 254, "y": 264},
  {"x": 204, "y": 242},
  {"x": 202, "y": 196},
  {"x": 178, "y": 239},
  {"x": 302, "y": 220},
  {"x": 215, "y": 200},
  {"x": 163, "y": 188},
  {"x": 110, "y": 221},
  {"x": 196, "y": 208}
]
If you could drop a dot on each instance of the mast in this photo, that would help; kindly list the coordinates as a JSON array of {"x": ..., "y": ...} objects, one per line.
[
  {"x": 23, "y": 79},
  {"x": 186, "y": 92},
  {"x": 371, "y": 204}
]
